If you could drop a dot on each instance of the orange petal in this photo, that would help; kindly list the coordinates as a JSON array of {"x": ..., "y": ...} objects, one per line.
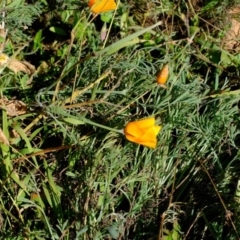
[
  {"x": 163, "y": 75},
  {"x": 131, "y": 138},
  {"x": 157, "y": 129},
  {"x": 136, "y": 128},
  {"x": 91, "y": 2},
  {"x": 143, "y": 132},
  {"x": 150, "y": 134},
  {"x": 151, "y": 143},
  {"x": 132, "y": 129},
  {"x": 145, "y": 123},
  {"x": 99, "y": 6}
]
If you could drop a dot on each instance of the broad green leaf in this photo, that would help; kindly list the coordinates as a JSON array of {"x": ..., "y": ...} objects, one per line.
[
  {"x": 27, "y": 142},
  {"x": 21, "y": 192},
  {"x": 15, "y": 177},
  {"x": 127, "y": 41},
  {"x": 5, "y": 148},
  {"x": 73, "y": 121},
  {"x": 210, "y": 5},
  {"x": 106, "y": 17},
  {"x": 47, "y": 194},
  {"x": 58, "y": 31},
  {"x": 37, "y": 40},
  {"x": 24, "y": 137}
]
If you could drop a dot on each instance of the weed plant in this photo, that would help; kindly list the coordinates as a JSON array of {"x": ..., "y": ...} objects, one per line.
[{"x": 67, "y": 175}]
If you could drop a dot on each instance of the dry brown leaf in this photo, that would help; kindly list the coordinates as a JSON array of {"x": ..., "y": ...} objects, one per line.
[
  {"x": 13, "y": 107},
  {"x": 2, "y": 39},
  {"x": 231, "y": 39},
  {"x": 14, "y": 134},
  {"x": 20, "y": 66},
  {"x": 3, "y": 138}
]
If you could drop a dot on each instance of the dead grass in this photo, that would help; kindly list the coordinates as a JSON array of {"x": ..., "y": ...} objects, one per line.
[{"x": 232, "y": 38}]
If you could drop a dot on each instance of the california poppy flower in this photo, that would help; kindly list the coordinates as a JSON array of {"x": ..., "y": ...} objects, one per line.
[
  {"x": 143, "y": 132},
  {"x": 163, "y": 76},
  {"x": 100, "y": 6}
]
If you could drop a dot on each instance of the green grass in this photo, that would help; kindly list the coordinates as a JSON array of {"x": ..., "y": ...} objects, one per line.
[{"x": 69, "y": 174}]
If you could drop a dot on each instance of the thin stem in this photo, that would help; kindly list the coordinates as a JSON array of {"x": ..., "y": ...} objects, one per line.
[{"x": 102, "y": 126}]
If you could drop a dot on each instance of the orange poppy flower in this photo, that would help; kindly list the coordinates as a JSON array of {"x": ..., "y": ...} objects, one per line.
[
  {"x": 100, "y": 6},
  {"x": 163, "y": 76},
  {"x": 143, "y": 132}
]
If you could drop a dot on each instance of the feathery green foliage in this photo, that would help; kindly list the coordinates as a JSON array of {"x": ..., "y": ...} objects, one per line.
[
  {"x": 18, "y": 16},
  {"x": 68, "y": 172}
]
